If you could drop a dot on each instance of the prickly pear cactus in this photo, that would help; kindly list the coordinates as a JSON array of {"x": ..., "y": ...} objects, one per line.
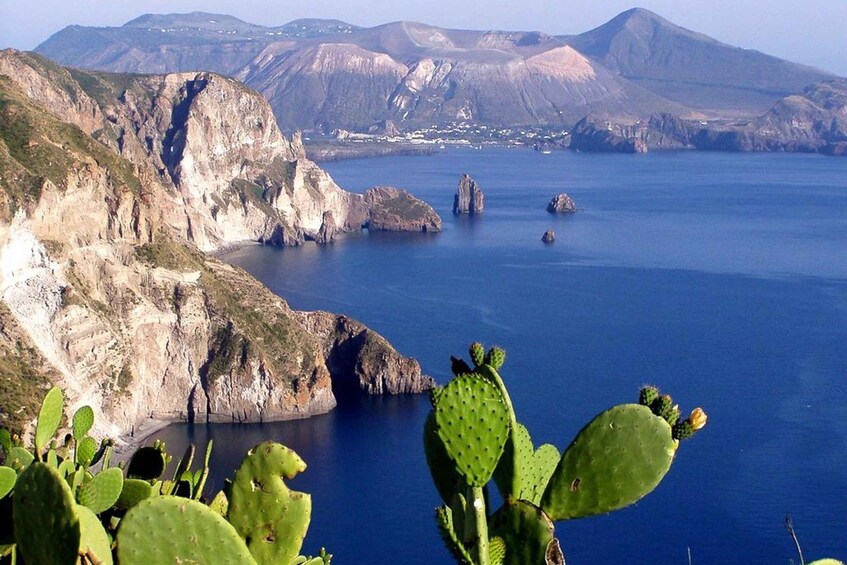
[
  {"x": 94, "y": 541},
  {"x": 147, "y": 463},
  {"x": 7, "y": 480},
  {"x": 102, "y": 491},
  {"x": 169, "y": 529},
  {"x": 495, "y": 357},
  {"x": 496, "y": 551},
  {"x": 82, "y": 422},
  {"x": 270, "y": 517},
  {"x": 525, "y": 530},
  {"x": 477, "y": 352},
  {"x": 19, "y": 459},
  {"x": 473, "y": 424},
  {"x": 448, "y": 480},
  {"x": 49, "y": 418},
  {"x": 133, "y": 492},
  {"x": 618, "y": 458},
  {"x": 524, "y": 468},
  {"x": 447, "y": 529},
  {"x": 86, "y": 450},
  {"x": 46, "y": 525}
]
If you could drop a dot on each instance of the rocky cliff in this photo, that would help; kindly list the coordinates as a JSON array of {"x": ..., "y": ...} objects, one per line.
[
  {"x": 394, "y": 209},
  {"x": 812, "y": 122},
  {"x": 469, "y": 198},
  {"x": 209, "y": 142},
  {"x": 104, "y": 288},
  {"x": 363, "y": 359}
]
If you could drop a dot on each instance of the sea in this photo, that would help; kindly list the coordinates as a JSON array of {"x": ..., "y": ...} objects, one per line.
[{"x": 721, "y": 278}]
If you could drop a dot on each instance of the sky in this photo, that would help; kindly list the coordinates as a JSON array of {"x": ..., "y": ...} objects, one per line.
[{"x": 805, "y": 31}]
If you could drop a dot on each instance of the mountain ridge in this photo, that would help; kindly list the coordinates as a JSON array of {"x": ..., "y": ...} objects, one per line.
[{"x": 416, "y": 75}]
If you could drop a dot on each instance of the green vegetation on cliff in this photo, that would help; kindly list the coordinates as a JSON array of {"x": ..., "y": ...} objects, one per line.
[{"x": 36, "y": 147}]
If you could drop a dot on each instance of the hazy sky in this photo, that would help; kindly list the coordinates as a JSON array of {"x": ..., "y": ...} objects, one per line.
[{"x": 813, "y": 32}]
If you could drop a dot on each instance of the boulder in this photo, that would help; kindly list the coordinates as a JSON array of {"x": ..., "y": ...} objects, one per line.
[
  {"x": 469, "y": 197},
  {"x": 549, "y": 236}
]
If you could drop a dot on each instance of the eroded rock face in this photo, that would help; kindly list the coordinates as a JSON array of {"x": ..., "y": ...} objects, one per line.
[
  {"x": 361, "y": 359},
  {"x": 393, "y": 209},
  {"x": 469, "y": 197},
  {"x": 326, "y": 234},
  {"x": 561, "y": 204},
  {"x": 103, "y": 288}
]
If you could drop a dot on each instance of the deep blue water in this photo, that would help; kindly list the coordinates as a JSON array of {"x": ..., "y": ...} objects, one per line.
[{"x": 721, "y": 278}]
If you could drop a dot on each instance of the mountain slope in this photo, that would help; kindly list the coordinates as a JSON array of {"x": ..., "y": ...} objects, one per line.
[
  {"x": 689, "y": 67},
  {"x": 408, "y": 72},
  {"x": 417, "y": 75},
  {"x": 108, "y": 186}
]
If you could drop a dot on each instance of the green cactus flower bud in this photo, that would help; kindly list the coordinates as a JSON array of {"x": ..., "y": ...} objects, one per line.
[
  {"x": 673, "y": 416},
  {"x": 662, "y": 406},
  {"x": 496, "y": 357},
  {"x": 683, "y": 430},
  {"x": 477, "y": 353},
  {"x": 648, "y": 395}
]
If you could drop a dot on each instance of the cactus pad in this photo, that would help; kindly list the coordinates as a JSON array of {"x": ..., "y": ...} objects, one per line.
[
  {"x": 496, "y": 551},
  {"x": 272, "y": 519},
  {"x": 46, "y": 525},
  {"x": 447, "y": 529},
  {"x": 7, "y": 480},
  {"x": 473, "y": 423},
  {"x": 102, "y": 492},
  {"x": 618, "y": 458},
  {"x": 220, "y": 504},
  {"x": 544, "y": 461},
  {"x": 94, "y": 541},
  {"x": 188, "y": 532},
  {"x": 147, "y": 463},
  {"x": 19, "y": 459},
  {"x": 133, "y": 492},
  {"x": 86, "y": 449},
  {"x": 446, "y": 477},
  {"x": 525, "y": 529},
  {"x": 49, "y": 417},
  {"x": 523, "y": 473},
  {"x": 82, "y": 422}
]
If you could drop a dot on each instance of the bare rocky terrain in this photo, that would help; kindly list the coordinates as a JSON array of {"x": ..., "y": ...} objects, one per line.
[
  {"x": 417, "y": 75},
  {"x": 111, "y": 190}
]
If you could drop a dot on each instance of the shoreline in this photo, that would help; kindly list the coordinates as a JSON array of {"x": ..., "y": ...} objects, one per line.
[{"x": 127, "y": 443}]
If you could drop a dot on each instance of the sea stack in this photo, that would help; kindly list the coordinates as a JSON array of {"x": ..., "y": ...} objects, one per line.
[
  {"x": 326, "y": 233},
  {"x": 561, "y": 204},
  {"x": 549, "y": 236},
  {"x": 469, "y": 198}
]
